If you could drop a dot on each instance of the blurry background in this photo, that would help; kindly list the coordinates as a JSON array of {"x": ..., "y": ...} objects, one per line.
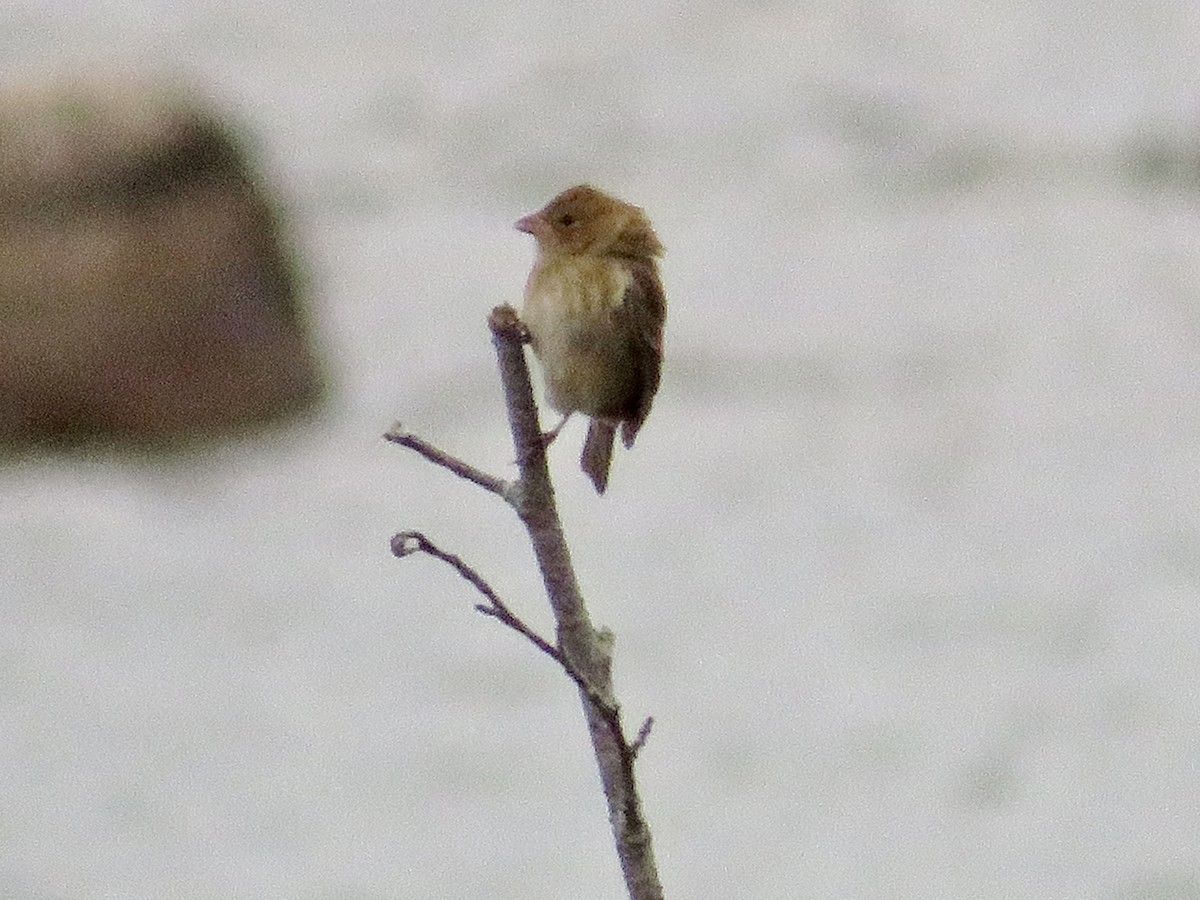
[{"x": 904, "y": 562}]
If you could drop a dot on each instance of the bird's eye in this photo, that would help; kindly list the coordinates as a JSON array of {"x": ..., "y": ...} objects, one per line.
[{"x": 566, "y": 220}]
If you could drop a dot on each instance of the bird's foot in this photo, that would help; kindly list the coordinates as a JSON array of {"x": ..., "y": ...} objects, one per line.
[
  {"x": 546, "y": 438},
  {"x": 549, "y": 436}
]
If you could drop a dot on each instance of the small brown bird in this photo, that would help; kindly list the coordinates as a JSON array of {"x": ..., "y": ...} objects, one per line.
[{"x": 595, "y": 310}]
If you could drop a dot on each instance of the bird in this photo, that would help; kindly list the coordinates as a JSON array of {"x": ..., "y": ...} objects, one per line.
[{"x": 595, "y": 309}]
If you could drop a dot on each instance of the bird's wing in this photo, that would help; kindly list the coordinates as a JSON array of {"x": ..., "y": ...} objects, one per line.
[{"x": 643, "y": 314}]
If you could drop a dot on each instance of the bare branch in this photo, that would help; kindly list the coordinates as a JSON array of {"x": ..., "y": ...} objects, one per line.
[
  {"x": 498, "y": 486},
  {"x": 589, "y": 650},
  {"x": 406, "y": 543},
  {"x": 583, "y": 651}
]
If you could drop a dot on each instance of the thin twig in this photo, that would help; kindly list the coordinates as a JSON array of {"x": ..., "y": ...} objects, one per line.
[
  {"x": 407, "y": 543},
  {"x": 498, "y": 486},
  {"x": 642, "y": 736}
]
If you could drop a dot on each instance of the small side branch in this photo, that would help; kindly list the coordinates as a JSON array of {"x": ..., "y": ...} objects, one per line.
[
  {"x": 407, "y": 543},
  {"x": 498, "y": 486},
  {"x": 643, "y": 735}
]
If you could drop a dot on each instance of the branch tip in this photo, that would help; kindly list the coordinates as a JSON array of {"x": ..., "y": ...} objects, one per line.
[
  {"x": 407, "y": 543},
  {"x": 642, "y": 736},
  {"x": 503, "y": 320}
]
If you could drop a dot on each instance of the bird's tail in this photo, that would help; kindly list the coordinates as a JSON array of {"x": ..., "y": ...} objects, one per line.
[{"x": 597, "y": 453}]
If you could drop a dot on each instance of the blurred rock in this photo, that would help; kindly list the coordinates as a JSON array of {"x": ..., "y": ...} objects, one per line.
[{"x": 145, "y": 293}]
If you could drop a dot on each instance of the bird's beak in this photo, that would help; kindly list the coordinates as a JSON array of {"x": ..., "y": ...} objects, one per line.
[{"x": 530, "y": 224}]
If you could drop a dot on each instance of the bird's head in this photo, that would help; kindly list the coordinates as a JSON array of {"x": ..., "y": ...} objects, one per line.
[{"x": 583, "y": 220}]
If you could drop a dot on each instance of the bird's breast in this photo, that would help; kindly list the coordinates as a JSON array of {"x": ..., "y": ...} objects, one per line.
[
  {"x": 576, "y": 290},
  {"x": 570, "y": 310}
]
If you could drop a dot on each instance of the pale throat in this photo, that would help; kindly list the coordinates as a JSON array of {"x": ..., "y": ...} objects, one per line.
[{"x": 569, "y": 297}]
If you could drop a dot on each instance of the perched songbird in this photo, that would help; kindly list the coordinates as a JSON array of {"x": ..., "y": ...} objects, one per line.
[{"x": 595, "y": 309}]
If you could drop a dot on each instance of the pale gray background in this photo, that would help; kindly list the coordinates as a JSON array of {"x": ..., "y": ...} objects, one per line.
[{"x": 905, "y": 562}]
